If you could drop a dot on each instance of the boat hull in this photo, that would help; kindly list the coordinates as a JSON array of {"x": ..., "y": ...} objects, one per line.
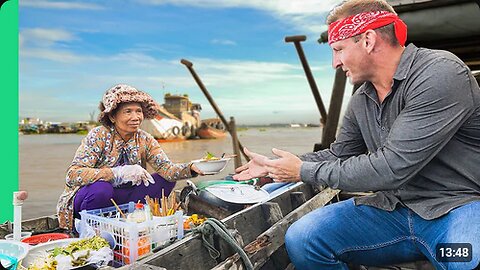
[{"x": 211, "y": 133}]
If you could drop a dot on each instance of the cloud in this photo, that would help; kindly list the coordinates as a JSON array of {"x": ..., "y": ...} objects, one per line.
[
  {"x": 223, "y": 42},
  {"x": 306, "y": 15},
  {"x": 45, "y": 36},
  {"x": 58, "y": 5},
  {"x": 52, "y": 55},
  {"x": 239, "y": 87},
  {"x": 43, "y": 43}
]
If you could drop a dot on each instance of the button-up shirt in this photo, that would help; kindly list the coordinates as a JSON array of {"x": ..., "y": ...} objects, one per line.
[{"x": 419, "y": 148}]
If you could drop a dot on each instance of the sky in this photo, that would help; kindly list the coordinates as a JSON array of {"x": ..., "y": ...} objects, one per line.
[{"x": 72, "y": 52}]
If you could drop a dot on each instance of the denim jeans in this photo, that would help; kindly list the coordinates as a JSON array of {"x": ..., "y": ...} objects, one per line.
[{"x": 341, "y": 233}]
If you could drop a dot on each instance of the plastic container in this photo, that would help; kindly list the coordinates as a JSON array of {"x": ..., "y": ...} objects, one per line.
[
  {"x": 12, "y": 252},
  {"x": 43, "y": 238},
  {"x": 133, "y": 239},
  {"x": 23, "y": 235}
]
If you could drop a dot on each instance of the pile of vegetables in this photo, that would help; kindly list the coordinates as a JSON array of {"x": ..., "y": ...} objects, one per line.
[
  {"x": 75, "y": 254},
  {"x": 209, "y": 156},
  {"x": 193, "y": 221}
]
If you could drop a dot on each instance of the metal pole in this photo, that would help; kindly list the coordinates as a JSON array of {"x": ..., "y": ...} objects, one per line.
[
  {"x": 311, "y": 81},
  {"x": 189, "y": 66}
]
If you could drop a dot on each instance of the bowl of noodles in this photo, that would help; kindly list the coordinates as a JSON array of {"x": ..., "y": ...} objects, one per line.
[{"x": 211, "y": 164}]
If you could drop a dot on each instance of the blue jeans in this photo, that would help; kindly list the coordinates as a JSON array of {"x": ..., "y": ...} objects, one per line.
[{"x": 341, "y": 233}]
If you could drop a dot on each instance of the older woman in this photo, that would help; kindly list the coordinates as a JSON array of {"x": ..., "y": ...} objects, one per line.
[{"x": 111, "y": 160}]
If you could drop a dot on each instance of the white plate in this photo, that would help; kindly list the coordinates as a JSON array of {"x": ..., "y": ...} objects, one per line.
[
  {"x": 235, "y": 193},
  {"x": 40, "y": 249}
]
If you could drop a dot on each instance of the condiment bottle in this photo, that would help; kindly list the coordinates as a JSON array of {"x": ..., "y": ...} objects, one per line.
[{"x": 138, "y": 215}]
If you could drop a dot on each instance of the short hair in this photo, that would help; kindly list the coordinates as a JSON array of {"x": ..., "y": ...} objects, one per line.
[{"x": 351, "y": 7}]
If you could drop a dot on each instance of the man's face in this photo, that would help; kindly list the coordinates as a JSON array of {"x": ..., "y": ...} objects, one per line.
[{"x": 350, "y": 55}]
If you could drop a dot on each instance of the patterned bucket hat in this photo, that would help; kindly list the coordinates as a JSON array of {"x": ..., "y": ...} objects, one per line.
[{"x": 122, "y": 93}]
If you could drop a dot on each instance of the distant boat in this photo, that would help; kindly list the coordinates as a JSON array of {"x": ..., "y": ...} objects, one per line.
[
  {"x": 295, "y": 125},
  {"x": 212, "y": 128},
  {"x": 178, "y": 119}
]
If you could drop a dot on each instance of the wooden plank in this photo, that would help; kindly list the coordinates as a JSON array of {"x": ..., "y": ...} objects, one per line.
[
  {"x": 297, "y": 198},
  {"x": 271, "y": 213},
  {"x": 272, "y": 239},
  {"x": 249, "y": 224},
  {"x": 280, "y": 258},
  {"x": 189, "y": 253},
  {"x": 225, "y": 249}
]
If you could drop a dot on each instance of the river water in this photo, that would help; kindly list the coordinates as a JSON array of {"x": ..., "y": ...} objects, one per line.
[{"x": 44, "y": 159}]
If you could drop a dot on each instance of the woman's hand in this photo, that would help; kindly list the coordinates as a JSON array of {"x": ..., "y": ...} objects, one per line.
[
  {"x": 131, "y": 173},
  {"x": 196, "y": 169}
]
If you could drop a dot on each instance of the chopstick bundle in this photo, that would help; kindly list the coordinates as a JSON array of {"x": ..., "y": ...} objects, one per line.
[{"x": 165, "y": 206}]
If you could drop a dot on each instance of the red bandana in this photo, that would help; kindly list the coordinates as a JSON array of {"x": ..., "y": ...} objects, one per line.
[{"x": 359, "y": 23}]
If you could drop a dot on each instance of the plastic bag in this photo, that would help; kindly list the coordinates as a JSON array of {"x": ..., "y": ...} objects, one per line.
[
  {"x": 100, "y": 257},
  {"x": 84, "y": 230}
]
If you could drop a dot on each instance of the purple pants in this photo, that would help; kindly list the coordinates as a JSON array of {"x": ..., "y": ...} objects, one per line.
[{"x": 98, "y": 194}]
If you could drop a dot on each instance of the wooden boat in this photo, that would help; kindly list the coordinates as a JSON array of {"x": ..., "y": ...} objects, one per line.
[
  {"x": 178, "y": 119},
  {"x": 259, "y": 229},
  {"x": 211, "y": 129}
]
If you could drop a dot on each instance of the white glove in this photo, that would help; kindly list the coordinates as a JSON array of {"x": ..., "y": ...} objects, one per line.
[{"x": 131, "y": 173}]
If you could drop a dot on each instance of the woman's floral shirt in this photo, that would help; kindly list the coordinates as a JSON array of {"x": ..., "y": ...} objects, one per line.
[{"x": 99, "y": 152}]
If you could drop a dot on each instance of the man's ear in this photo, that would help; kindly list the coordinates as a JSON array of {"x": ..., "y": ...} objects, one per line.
[
  {"x": 370, "y": 40},
  {"x": 111, "y": 118}
]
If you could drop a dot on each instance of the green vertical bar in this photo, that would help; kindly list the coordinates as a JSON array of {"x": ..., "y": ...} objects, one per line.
[{"x": 9, "y": 90}]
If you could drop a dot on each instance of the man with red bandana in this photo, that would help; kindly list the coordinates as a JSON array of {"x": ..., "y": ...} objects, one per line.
[{"x": 411, "y": 133}]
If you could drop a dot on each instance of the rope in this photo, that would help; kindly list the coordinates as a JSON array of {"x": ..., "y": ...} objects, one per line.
[{"x": 211, "y": 226}]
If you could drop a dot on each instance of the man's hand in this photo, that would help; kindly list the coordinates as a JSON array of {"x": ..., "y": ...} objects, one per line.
[
  {"x": 254, "y": 168},
  {"x": 284, "y": 169}
]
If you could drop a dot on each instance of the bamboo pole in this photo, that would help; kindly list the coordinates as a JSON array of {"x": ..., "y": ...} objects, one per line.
[
  {"x": 330, "y": 130},
  {"x": 311, "y": 81},
  {"x": 236, "y": 148},
  {"x": 197, "y": 79}
]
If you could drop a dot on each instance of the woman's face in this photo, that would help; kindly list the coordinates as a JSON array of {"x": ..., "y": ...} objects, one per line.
[{"x": 127, "y": 119}]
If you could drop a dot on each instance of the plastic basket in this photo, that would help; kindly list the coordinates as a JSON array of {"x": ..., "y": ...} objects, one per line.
[{"x": 133, "y": 240}]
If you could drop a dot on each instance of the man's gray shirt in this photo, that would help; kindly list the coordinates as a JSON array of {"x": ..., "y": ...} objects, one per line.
[{"x": 419, "y": 148}]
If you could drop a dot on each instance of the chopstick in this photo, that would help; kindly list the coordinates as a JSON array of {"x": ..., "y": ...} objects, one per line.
[
  {"x": 118, "y": 208},
  {"x": 168, "y": 204}
]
